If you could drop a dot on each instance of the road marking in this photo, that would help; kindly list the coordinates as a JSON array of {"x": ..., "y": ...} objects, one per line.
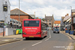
[
  {"x": 49, "y": 36},
  {"x": 24, "y": 49},
  {"x": 37, "y": 43},
  {"x": 14, "y": 38},
  {"x": 5, "y": 40},
  {"x": 69, "y": 46},
  {"x": 41, "y": 41}
]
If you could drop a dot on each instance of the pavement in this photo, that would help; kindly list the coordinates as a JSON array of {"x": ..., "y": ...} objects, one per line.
[
  {"x": 12, "y": 36},
  {"x": 53, "y": 41},
  {"x": 70, "y": 35},
  {"x": 9, "y": 39}
]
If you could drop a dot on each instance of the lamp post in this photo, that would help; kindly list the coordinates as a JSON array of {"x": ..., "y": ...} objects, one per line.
[{"x": 71, "y": 17}]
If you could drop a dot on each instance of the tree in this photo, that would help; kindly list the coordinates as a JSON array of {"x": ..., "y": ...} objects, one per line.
[
  {"x": 43, "y": 19},
  {"x": 37, "y": 17}
]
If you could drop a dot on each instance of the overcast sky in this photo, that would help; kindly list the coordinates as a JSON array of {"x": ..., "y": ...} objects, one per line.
[{"x": 58, "y": 8}]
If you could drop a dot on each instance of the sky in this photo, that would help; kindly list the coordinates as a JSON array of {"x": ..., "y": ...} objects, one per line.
[{"x": 57, "y": 8}]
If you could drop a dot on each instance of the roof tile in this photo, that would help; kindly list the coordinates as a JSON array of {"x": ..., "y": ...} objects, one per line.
[
  {"x": 17, "y": 12},
  {"x": 57, "y": 22}
]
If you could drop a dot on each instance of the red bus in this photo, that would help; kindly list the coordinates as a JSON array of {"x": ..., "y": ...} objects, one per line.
[{"x": 33, "y": 28}]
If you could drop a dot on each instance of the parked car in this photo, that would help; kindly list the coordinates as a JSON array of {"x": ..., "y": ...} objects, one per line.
[{"x": 56, "y": 30}]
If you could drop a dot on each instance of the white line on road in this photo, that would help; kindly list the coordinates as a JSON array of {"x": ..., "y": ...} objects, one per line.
[
  {"x": 37, "y": 43},
  {"x": 70, "y": 47},
  {"x": 49, "y": 36},
  {"x": 41, "y": 41},
  {"x": 14, "y": 38}
]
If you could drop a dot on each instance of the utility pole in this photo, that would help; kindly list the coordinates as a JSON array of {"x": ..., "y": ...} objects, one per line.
[
  {"x": 34, "y": 14},
  {"x": 19, "y": 11}
]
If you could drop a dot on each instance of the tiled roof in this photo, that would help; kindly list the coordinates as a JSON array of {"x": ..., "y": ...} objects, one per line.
[
  {"x": 48, "y": 17},
  {"x": 57, "y": 22},
  {"x": 17, "y": 12},
  {"x": 66, "y": 18},
  {"x": 33, "y": 16}
]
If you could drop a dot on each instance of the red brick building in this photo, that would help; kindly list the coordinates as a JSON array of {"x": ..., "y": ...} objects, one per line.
[{"x": 15, "y": 13}]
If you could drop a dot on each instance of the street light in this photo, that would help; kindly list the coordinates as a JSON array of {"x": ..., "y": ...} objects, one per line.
[{"x": 71, "y": 17}]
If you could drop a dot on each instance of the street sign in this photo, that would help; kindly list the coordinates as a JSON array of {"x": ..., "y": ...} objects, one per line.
[{"x": 5, "y": 8}]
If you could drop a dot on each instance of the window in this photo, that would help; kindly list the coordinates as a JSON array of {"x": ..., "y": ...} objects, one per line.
[
  {"x": 13, "y": 21},
  {"x": 49, "y": 23},
  {"x": 5, "y": 2},
  {"x": 49, "y": 20},
  {"x": 58, "y": 24},
  {"x": 55, "y": 24},
  {"x": 31, "y": 23}
]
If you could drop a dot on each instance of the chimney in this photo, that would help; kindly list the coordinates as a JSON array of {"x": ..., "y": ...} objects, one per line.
[{"x": 67, "y": 14}]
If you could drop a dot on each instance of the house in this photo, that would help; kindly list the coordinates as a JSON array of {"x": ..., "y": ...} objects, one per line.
[
  {"x": 73, "y": 19},
  {"x": 19, "y": 15},
  {"x": 49, "y": 20},
  {"x": 67, "y": 22},
  {"x": 5, "y": 11},
  {"x": 62, "y": 24},
  {"x": 57, "y": 24}
]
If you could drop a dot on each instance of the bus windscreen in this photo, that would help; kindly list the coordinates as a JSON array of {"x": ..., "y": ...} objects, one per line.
[{"x": 31, "y": 23}]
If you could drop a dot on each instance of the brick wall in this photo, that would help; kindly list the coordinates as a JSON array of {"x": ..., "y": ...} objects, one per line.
[{"x": 21, "y": 17}]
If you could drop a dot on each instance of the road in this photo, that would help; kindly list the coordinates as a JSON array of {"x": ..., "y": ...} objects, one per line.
[{"x": 51, "y": 42}]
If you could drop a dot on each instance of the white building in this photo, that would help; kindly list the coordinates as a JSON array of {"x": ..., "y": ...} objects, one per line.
[
  {"x": 57, "y": 24},
  {"x": 5, "y": 11}
]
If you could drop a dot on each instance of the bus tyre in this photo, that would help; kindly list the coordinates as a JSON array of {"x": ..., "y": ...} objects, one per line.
[
  {"x": 41, "y": 38},
  {"x": 46, "y": 36}
]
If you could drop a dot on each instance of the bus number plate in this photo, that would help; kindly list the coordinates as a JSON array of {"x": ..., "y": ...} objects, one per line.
[{"x": 31, "y": 36}]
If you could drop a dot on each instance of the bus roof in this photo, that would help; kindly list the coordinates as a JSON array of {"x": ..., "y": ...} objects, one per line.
[{"x": 31, "y": 19}]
